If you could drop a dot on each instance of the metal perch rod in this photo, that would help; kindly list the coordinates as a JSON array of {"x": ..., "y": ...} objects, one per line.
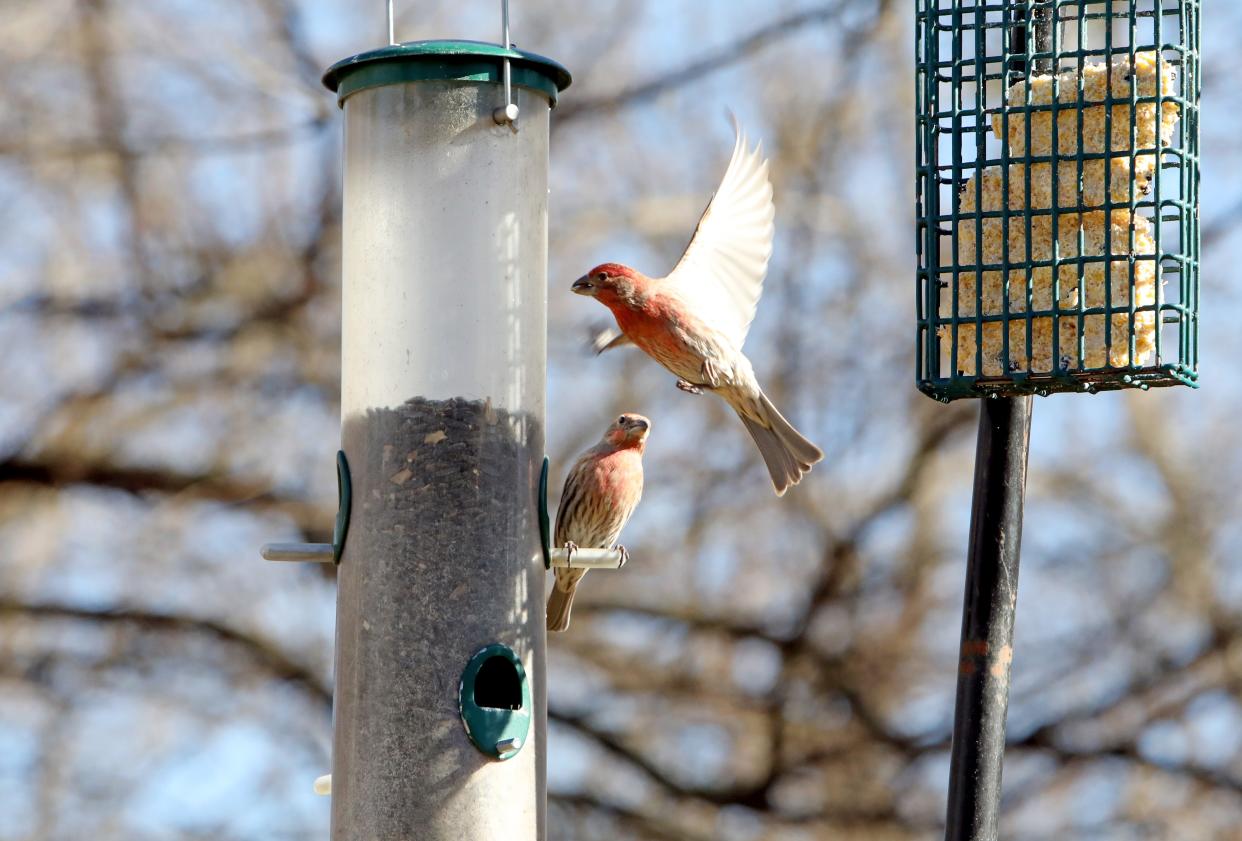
[
  {"x": 588, "y": 558},
  {"x": 319, "y": 552},
  {"x": 322, "y": 553}
]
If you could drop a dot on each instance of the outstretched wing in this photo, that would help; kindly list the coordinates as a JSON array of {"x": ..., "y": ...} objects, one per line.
[{"x": 722, "y": 271}]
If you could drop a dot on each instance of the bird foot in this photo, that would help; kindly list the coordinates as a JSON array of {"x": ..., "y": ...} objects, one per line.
[
  {"x": 570, "y": 547},
  {"x": 625, "y": 556},
  {"x": 689, "y": 387}
]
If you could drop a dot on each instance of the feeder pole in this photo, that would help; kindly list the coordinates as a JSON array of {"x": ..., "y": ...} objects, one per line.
[
  {"x": 987, "y": 619},
  {"x": 991, "y": 592}
]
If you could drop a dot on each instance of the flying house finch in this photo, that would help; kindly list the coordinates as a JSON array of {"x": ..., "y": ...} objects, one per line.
[
  {"x": 601, "y": 492},
  {"x": 694, "y": 321}
]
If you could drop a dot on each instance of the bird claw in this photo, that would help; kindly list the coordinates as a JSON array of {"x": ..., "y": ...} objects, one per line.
[
  {"x": 689, "y": 387},
  {"x": 570, "y": 547},
  {"x": 625, "y": 556}
]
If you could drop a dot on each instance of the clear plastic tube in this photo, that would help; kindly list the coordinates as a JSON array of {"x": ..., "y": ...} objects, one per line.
[
  {"x": 445, "y": 247},
  {"x": 443, "y": 381}
]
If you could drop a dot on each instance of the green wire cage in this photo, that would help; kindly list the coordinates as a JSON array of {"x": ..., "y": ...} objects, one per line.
[{"x": 1058, "y": 210}]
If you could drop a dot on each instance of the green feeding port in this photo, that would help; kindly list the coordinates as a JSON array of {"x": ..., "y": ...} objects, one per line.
[
  {"x": 1058, "y": 195},
  {"x": 494, "y": 699}
]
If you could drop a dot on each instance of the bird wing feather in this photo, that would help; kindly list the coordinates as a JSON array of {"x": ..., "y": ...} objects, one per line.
[
  {"x": 607, "y": 338},
  {"x": 721, "y": 272}
]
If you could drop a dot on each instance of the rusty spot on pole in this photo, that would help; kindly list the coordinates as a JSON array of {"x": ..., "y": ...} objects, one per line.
[
  {"x": 972, "y": 651},
  {"x": 974, "y": 648}
]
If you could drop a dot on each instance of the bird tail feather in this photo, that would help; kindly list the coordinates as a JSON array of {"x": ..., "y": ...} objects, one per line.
[
  {"x": 559, "y": 605},
  {"x": 786, "y": 451}
]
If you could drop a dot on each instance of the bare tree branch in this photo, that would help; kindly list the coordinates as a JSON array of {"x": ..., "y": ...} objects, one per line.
[
  {"x": 263, "y": 653},
  {"x": 735, "y": 53}
]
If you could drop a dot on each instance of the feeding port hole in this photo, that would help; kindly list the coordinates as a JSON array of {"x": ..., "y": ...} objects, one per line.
[{"x": 498, "y": 685}]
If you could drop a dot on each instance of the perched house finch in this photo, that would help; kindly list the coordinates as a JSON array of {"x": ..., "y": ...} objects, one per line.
[
  {"x": 694, "y": 321},
  {"x": 601, "y": 492}
]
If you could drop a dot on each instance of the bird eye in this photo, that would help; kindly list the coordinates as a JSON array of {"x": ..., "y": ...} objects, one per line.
[
  {"x": 601, "y": 277},
  {"x": 621, "y": 420}
]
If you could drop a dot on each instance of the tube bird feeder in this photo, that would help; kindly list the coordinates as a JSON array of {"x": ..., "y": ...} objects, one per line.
[
  {"x": 440, "y": 705},
  {"x": 1058, "y": 251}
]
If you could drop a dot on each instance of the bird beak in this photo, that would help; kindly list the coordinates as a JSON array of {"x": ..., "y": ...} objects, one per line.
[
  {"x": 642, "y": 424},
  {"x": 582, "y": 286}
]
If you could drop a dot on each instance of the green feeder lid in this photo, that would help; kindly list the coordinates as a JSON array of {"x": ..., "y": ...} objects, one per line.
[{"x": 466, "y": 61}]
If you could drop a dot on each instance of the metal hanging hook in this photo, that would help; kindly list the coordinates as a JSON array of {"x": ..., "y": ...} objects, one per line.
[{"x": 507, "y": 114}]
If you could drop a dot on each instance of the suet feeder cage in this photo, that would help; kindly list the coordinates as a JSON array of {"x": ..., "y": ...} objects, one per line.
[
  {"x": 1058, "y": 251},
  {"x": 1058, "y": 219},
  {"x": 439, "y": 709}
]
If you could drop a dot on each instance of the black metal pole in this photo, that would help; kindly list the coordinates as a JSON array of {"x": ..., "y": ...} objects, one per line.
[
  {"x": 987, "y": 620},
  {"x": 991, "y": 597}
]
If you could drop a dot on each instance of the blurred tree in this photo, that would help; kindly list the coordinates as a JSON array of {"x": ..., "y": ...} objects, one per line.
[{"x": 764, "y": 669}]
